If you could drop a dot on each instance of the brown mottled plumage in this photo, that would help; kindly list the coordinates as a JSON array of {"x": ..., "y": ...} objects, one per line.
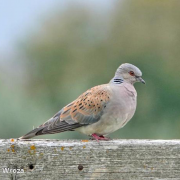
[{"x": 92, "y": 102}]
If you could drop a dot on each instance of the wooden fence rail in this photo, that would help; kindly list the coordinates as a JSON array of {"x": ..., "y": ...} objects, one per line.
[{"x": 83, "y": 159}]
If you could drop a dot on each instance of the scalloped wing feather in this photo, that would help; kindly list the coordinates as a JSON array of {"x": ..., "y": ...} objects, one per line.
[{"x": 88, "y": 107}]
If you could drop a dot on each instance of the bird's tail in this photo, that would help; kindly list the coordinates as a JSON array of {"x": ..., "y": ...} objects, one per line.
[{"x": 31, "y": 134}]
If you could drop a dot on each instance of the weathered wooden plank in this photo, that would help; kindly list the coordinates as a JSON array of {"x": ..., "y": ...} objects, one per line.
[{"x": 74, "y": 159}]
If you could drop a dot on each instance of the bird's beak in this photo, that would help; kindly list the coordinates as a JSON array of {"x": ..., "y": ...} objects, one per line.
[{"x": 140, "y": 79}]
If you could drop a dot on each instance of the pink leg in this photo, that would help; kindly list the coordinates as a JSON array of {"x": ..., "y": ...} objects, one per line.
[{"x": 97, "y": 138}]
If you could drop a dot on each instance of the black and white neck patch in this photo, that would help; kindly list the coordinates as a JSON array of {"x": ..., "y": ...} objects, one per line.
[{"x": 118, "y": 81}]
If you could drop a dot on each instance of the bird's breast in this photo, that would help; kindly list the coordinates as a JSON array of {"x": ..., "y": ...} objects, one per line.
[{"x": 119, "y": 110}]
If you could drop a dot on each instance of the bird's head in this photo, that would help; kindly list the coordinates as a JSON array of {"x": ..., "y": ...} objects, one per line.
[{"x": 129, "y": 73}]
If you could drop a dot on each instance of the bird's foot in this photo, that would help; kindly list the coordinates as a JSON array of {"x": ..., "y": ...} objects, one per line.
[{"x": 97, "y": 138}]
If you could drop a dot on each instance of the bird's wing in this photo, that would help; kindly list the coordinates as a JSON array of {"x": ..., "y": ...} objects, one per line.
[{"x": 86, "y": 109}]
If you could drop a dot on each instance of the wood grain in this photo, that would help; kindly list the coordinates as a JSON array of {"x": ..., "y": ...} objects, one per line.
[{"x": 75, "y": 159}]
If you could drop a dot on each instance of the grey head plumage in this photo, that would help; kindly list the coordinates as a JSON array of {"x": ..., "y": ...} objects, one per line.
[{"x": 127, "y": 73}]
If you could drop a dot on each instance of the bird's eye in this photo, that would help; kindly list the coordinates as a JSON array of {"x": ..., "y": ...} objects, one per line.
[{"x": 131, "y": 73}]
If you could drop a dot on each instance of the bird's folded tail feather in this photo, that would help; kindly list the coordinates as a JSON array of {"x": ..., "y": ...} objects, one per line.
[
  {"x": 32, "y": 133},
  {"x": 52, "y": 128}
]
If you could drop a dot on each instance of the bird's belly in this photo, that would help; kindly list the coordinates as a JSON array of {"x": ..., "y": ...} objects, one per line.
[{"x": 112, "y": 120}]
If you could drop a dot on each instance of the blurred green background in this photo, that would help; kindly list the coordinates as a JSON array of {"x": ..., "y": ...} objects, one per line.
[{"x": 77, "y": 45}]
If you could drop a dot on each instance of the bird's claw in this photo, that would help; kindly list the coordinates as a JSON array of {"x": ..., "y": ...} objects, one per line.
[{"x": 99, "y": 138}]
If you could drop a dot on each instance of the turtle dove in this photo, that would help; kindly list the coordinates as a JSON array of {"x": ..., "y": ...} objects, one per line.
[{"x": 100, "y": 110}]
